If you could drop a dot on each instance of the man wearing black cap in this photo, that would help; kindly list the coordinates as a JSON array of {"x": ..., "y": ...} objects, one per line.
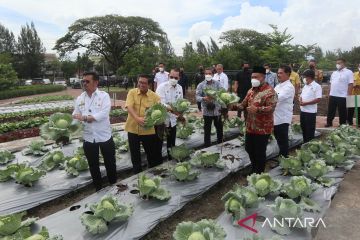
[
  {"x": 311, "y": 95},
  {"x": 259, "y": 104}
]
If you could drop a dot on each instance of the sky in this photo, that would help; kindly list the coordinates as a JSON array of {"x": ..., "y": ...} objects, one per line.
[{"x": 329, "y": 23}]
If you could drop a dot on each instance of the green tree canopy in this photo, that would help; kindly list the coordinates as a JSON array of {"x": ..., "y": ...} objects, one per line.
[
  {"x": 8, "y": 76},
  {"x": 111, "y": 36}
]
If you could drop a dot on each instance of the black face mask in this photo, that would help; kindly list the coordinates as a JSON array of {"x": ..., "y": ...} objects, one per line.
[
  {"x": 246, "y": 69},
  {"x": 312, "y": 67}
]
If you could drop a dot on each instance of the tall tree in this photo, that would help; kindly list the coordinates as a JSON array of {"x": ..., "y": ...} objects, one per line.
[
  {"x": 7, "y": 40},
  {"x": 111, "y": 36},
  {"x": 30, "y": 52},
  {"x": 201, "y": 48},
  {"x": 213, "y": 48}
]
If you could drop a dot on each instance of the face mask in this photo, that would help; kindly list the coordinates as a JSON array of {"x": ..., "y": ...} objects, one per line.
[
  {"x": 208, "y": 78},
  {"x": 359, "y": 69},
  {"x": 173, "y": 81},
  {"x": 312, "y": 67},
  {"x": 267, "y": 70},
  {"x": 246, "y": 69},
  {"x": 161, "y": 69},
  {"x": 338, "y": 66},
  {"x": 304, "y": 81},
  {"x": 255, "y": 82}
]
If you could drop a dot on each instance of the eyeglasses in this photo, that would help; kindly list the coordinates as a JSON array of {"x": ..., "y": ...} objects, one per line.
[{"x": 85, "y": 81}]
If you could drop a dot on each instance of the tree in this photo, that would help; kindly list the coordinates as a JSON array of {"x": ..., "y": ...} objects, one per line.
[
  {"x": 213, "y": 48},
  {"x": 7, "y": 41},
  {"x": 69, "y": 68},
  {"x": 110, "y": 36},
  {"x": 201, "y": 48},
  {"x": 30, "y": 52},
  {"x": 8, "y": 76}
]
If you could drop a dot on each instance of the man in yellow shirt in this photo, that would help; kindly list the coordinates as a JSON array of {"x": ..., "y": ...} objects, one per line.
[
  {"x": 295, "y": 80},
  {"x": 355, "y": 91},
  {"x": 137, "y": 101}
]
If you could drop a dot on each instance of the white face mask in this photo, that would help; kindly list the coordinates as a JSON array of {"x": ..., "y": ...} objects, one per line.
[
  {"x": 304, "y": 81},
  {"x": 359, "y": 69},
  {"x": 208, "y": 78},
  {"x": 338, "y": 66},
  {"x": 173, "y": 81},
  {"x": 161, "y": 69},
  {"x": 255, "y": 82},
  {"x": 267, "y": 70}
]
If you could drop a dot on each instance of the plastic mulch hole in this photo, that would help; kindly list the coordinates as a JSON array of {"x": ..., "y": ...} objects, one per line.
[
  {"x": 164, "y": 175},
  {"x": 122, "y": 187},
  {"x": 260, "y": 218},
  {"x": 134, "y": 191},
  {"x": 89, "y": 212},
  {"x": 75, "y": 207}
]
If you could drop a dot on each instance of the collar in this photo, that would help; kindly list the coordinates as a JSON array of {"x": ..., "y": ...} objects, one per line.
[
  {"x": 139, "y": 93},
  {"x": 96, "y": 92},
  {"x": 342, "y": 69}
]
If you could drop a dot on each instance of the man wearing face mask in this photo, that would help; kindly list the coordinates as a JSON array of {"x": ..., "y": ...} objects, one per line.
[
  {"x": 221, "y": 77},
  {"x": 170, "y": 92},
  {"x": 183, "y": 81},
  {"x": 210, "y": 108},
  {"x": 311, "y": 95},
  {"x": 161, "y": 77},
  {"x": 259, "y": 104},
  {"x": 242, "y": 83},
  {"x": 355, "y": 91},
  {"x": 270, "y": 77},
  {"x": 341, "y": 85},
  {"x": 284, "y": 109},
  {"x": 318, "y": 73}
]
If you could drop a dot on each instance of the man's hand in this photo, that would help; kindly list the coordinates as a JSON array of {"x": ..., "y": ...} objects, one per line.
[
  {"x": 169, "y": 109},
  {"x": 207, "y": 99},
  {"x": 90, "y": 119},
  {"x": 251, "y": 109},
  {"x": 239, "y": 106},
  {"x": 77, "y": 117},
  {"x": 181, "y": 119},
  {"x": 140, "y": 121}
]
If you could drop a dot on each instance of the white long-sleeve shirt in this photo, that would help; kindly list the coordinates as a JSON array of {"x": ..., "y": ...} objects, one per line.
[
  {"x": 223, "y": 79},
  {"x": 98, "y": 106},
  {"x": 169, "y": 94},
  {"x": 285, "y": 102}
]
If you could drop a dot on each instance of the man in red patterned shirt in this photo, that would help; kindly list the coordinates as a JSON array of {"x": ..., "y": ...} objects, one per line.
[{"x": 259, "y": 105}]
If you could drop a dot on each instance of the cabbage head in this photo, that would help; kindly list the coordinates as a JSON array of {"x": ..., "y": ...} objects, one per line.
[{"x": 202, "y": 230}]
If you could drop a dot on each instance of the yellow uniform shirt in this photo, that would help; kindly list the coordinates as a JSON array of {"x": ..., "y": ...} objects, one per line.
[
  {"x": 294, "y": 78},
  {"x": 356, "y": 89},
  {"x": 139, "y": 102}
]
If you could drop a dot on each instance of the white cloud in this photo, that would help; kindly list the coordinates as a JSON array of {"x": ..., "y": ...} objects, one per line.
[{"x": 332, "y": 24}]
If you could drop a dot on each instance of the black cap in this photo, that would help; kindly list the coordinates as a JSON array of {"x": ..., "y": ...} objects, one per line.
[
  {"x": 259, "y": 69},
  {"x": 309, "y": 73}
]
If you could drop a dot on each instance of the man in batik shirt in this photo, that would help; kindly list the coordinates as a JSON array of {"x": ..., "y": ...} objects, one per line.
[{"x": 259, "y": 104}]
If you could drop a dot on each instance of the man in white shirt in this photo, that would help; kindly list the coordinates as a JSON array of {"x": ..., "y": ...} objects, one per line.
[
  {"x": 161, "y": 77},
  {"x": 284, "y": 109},
  {"x": 93, "y": 107},
  {"x": 169, "y": 92},
  {"x": 311, "y": 95},
  {"x": 221, "y": 77},
  {"x": 341, "y": 85}
]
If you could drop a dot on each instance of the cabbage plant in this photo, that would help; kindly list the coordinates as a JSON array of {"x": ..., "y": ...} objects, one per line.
[
  {"x": 6, "y": 156},
  {"x": 180, "y": 106},
  {"x": 183, "y": 172},
  {"x": 13, "y": 227},
  {"x": 238, "y": 200},
  {"x": 316, "y": 169},
  {"x": 225, "y": 98},
  {"x": 109, "y": 209},
  {"x": 286, "y": 210},
  {"x": 299, "y": 186},
  {"x": 26, "y": 175},
  {"x": 202, "y": 230},
  {"x": 75, "y": 165},
  {"x": 51, "y": 160},
  {"x": 60, "y": 128},
  {"x": 121, "y": 144},
  {"x": 264, "y": 184},
  {"x": 150, "y": 187},
  {"x": 292, "y": 165},
  {"x": 180, "y": 152},
  {"x": 155, "y": 115},
  {"x": 36, "y": 148},
  {"x": 183, "y": 131},
  {"x": 7, "y": 172},
  {"x": 207, "y": 159}
]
